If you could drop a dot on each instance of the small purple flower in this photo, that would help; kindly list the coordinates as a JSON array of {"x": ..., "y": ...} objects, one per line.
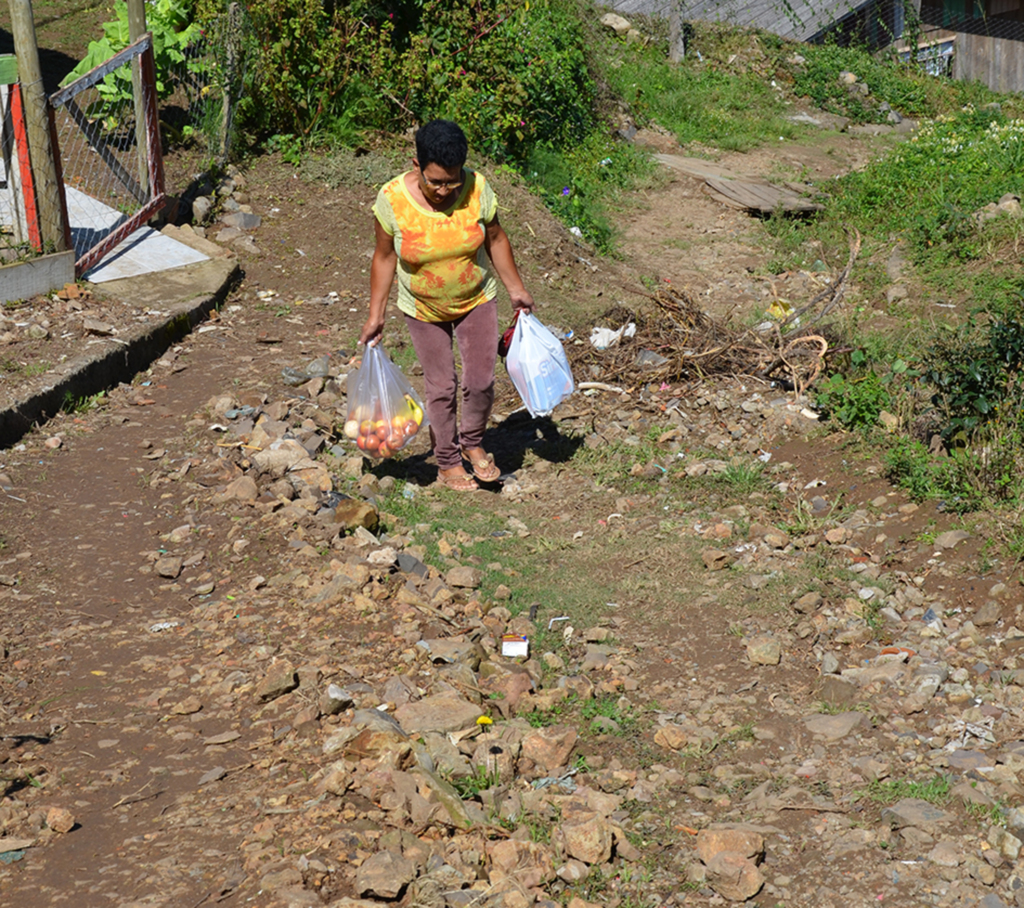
[{"x": 565, "y": 191}]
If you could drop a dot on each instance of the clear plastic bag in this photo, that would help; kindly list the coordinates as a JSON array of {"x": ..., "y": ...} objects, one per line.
[
  {"x": 384, "y": 412},
  {"x": 538, "y": 366}
]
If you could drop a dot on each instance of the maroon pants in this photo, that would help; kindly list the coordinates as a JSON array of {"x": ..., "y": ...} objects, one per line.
[{"x": 477, "y": 335}]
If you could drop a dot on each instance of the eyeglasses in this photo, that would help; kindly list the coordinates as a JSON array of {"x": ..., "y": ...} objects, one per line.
[{"x": 441, "y": 184}]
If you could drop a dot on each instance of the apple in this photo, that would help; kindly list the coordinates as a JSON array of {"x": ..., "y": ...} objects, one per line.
[
  {"x": 366, "y": 427},
  {"x": 395, "y": 441},
  {"x": 410, "y": 428},
  {"x": 384, "y": 451},
  {"x": 352, "y": 428},
  {"x": 371, "y": 442}
]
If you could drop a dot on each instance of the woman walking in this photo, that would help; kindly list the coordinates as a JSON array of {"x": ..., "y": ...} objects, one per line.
[{"x": 437, "y": 228}]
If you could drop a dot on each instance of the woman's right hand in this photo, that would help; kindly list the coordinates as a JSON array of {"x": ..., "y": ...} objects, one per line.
[{"x": 372, "y": 331}]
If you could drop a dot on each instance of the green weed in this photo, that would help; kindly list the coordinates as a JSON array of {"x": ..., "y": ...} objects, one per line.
[
  {"x": 625, "y": 719},
  {"x": 935, "y": 790},
  {"x": 479, "y": 780},
  {"x": 84, "y": 404}
]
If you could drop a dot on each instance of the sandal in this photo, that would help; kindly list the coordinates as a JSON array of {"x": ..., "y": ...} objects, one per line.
[
  {"x": 484, "y": 467},
  {"x": 459, "y": 482}
]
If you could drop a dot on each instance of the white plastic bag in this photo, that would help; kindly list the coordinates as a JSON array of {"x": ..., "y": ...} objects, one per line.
[{"x": 538, "y": 366}]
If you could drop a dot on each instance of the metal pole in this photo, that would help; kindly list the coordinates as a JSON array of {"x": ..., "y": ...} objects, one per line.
[
  {"x": 136, "y": 29},
  {"x": 37, "y": 123}
]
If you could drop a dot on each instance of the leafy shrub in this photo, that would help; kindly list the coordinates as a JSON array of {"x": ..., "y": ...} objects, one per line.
[
  {"x": 509, "y": 74},
  {"x": 954, "y": 480},
  {"x": 313, "y": 63},
  {"x": 856, "y": 403},
  {"x": 905, "y": 87},
  {"x": 976, "y": 373},
  {"x": 858, "y": 399},
  {"x": 173, "y": 31}
]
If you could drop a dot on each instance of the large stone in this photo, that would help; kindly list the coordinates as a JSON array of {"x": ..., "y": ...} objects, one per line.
[
  {"x": 674, "y": 737},
  {"x": 384, "y": 875},
  {"x": 283, "y": 455},
  {"x": 734, "y": 877},
  {"x": 350, "y": 513},
  {"x": 242, "y": 489},
  {"x": 347, "y": 578},
  {"x": 451, "y": 650},
  {"x": 60, "y": 819},
  {"x": 279, "y": 680},
  {"x": 531, "y": 864},
  {"x": 465, "y": 577},
  {"x": 915, "y": 812},
  {"x": 716, "y": 560},
  {"x": 832, "y": 728},
  {"x": 441, "y": 713},
  {"x": 951, "y": 538},
  {"x": 745, "y": 842},
  {"x": 169, "y": 566},
  {"x": 432, "y": 786},
  {"x": 616, "y": 23},
  {"x": 242, "y": 220},
  {"x": 838, "y": 691},
  {"x": 764, "y": 650},
  {"x": 549, "y": 748},
  {"x": 588, "y": 838}
]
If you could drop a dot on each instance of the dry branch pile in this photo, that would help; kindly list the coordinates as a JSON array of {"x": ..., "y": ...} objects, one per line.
[{"x": 695, "y": 345}]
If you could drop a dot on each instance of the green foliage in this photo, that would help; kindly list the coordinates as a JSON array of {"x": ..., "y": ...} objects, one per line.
[
  {"x": 935, "y": 790},
  {"x": 929, "y": 187},
  {"x": 173, "y": 31},
  {"x": 953, "y": 479},
  {"x": 976, "y": 372},
  {"x": 854, "y": 402},
  {"x": 697, "y": 100},
  {"x": 607, "y": 707},
  {"x": 580, "y": 183},
  {"x": 470, "y": 786},
  {"x": 315, "y": 63},
  {"x": 510, "y": 74}
]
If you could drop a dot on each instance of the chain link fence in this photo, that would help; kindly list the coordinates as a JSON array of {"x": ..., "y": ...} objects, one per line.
[{"x": 202, "y": 91}]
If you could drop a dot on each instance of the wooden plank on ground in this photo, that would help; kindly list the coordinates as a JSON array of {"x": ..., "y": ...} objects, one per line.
[{"x": 759, "y": 195}]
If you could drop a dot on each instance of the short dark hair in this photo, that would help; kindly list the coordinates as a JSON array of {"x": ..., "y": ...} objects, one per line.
[{"x": 441, "y": 142}]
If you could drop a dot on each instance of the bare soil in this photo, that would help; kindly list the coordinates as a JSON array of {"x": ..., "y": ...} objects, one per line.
[{"x": 121, "y": 690}]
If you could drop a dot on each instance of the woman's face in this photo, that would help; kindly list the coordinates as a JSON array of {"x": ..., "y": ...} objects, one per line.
[{"x": 440, "y": 184}]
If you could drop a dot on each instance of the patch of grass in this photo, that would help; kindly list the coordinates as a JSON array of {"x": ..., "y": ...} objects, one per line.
[
  {"x": 934, "y": 791},
  {"x": 608, "y": 708},
  {"x": 986, "y": 814},
  {"x": 744, "y": 478},
  {"x": 698, "y": 100},
  {"x": 470, "y": 786},
  {"x": 84, "y": 404}
]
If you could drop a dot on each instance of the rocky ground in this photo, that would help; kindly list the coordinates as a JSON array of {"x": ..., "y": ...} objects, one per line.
[{"x": 242, "y": 665}]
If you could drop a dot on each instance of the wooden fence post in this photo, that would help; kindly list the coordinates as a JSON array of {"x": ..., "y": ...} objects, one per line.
[
  {"x": 676, "y": 40},
  {"x": 37, "y": 123},
  {"x": 136, "y": 29}
]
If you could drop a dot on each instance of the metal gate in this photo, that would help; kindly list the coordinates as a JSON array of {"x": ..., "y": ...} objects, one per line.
[{"x": 108, "y": 145}]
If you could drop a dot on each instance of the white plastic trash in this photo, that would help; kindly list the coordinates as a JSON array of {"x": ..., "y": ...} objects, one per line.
[{"x": 538, "y": 366}]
